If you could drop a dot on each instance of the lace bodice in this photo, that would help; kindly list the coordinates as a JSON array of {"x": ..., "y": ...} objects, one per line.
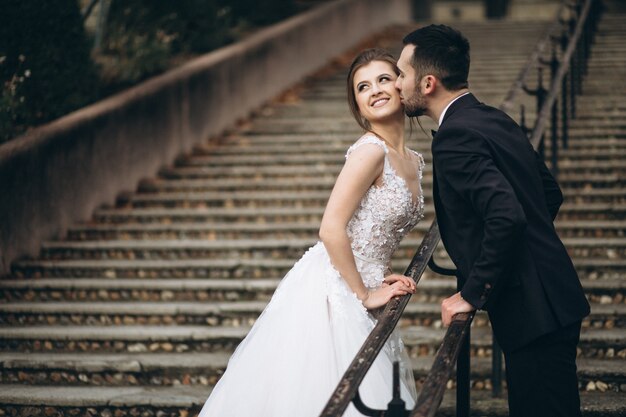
[{"x": 384, "y": 216}]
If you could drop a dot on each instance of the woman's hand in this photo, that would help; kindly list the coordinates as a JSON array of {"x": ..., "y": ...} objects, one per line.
[
  {"x": 394, "y": 286},
  {"x": 408, "y": 281}
]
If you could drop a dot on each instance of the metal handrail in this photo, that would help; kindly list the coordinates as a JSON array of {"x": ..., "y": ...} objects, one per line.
[
  {"x": 557, "y": 79},
  {"x": 347, "y": 389},
  {"x": 435, "y": 384},
  {"x": 533, "y": 60}
]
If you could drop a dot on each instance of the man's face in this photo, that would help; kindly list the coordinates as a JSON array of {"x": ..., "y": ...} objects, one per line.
[{"x": 408, "y": 86}]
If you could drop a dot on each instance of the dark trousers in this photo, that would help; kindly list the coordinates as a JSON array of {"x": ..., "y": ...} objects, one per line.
[{"x": 541, "y": 377}]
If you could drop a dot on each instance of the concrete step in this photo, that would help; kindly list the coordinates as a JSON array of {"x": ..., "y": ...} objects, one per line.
[
  {"x": 227, "y": 313},
  {"x": 606, "y": 248},
  {"x": 331, "y": 170},
  {"x": 18, "y": 400},
  {"x": 314, "y": 198},
  {"x": 588, "y": 268},
  {"x": 491, "y": 94},
  {"x": 591, "y": 108},
  {"x": 262, "y": 215},
  {"x": 593, "y": 404},
  {"x": 246, "y": 230},
  {"x": 604, "y": 291},
  {"x": 611, "y": 120},
  {"x": 609, "y": 344},
  {"x": 339, "y": 142},
  {"x": 338, "y": 146},
  {"x": 184, "y": 400},
  {"x": 332, "y": 156},
  {"x": 313, "y": 183},
  {"x": 204, "y": 369},
  {"x": 275, "y": 127},
  {"x": 598, "y": 195}
]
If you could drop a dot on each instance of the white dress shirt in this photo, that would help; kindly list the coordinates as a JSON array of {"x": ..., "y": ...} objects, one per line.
[{"x": 443, "y": 113}]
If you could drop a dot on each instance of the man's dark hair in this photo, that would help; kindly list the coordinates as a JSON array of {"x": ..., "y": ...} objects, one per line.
[{"x": 443, "y": 52}]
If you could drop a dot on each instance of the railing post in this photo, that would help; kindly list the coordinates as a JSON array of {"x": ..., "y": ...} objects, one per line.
[
  {"x": 572, "y": 89},
  {"x": 463, "y": 373},
  {"x": 540, "y": 92},
  {"x": 564, "y": 97},
  {"x": 396, "y": 407},
  {"x": 496, "y": 369},
  {"x": 554, "y": 128},
  {"x": 573, "y": 71},
  {"x": 522, "y": 123}
]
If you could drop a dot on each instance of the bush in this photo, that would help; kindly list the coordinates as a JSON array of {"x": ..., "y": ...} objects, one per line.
[
  {"x": 260, "y": 12},
  {"x": 142, "y": 36},
  {"x": 45, "y": 68},
  {"x": 45, "y": 65}
]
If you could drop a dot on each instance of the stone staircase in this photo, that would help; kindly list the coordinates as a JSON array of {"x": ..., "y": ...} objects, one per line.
[{"x": 137, "y": 311}]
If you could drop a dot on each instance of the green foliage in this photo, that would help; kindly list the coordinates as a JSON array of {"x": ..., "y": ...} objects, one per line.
[
  {"x": 142, "y": 36},
  {"x": 45, "y": 65},
  {"x": 259, "y": 12},
  {"x": 45, "y": 68}
]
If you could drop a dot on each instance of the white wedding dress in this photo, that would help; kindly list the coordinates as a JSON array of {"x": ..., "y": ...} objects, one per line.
[{"x": 305, "y": 339}]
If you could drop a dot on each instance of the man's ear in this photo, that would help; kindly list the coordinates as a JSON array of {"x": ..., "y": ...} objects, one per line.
[{"x": 429, "y": 84}]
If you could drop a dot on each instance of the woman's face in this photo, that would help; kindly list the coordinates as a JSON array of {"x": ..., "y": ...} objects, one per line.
[{"x": 375, "y": 92}]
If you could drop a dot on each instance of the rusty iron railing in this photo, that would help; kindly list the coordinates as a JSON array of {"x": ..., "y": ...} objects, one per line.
[
  {"x": 568, "y": 65},
  {"x": 347, "y": 389}
]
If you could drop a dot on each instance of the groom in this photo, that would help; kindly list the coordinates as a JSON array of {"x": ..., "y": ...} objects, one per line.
[{"x": 495, "y": 202}]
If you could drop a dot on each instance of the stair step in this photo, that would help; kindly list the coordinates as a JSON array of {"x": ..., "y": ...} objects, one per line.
[
  {"x": 291, "y": 230},
  {"x": 188, "y": 400},
  {"x": 609, "y": 248},
  {"x": 277, "y": 129},
  {"x": 102, "y": 289},
  {"x": 234, "y": 268},
  {"x": 101, "y": 401},
  {"x": 310, "y": 198},
  {"x": 228, "y": 313},
  {"x": 193, "y": 369},
  {"x": 326, "y": 183},
  {"x": 604, "y": 291},
  {"x": 592, "y": 105},
  {"x": 337, "y": 148},
  {"x": 331, "y": 170},
  {"x": 591, "y": 211},
  {"x": 337, "y": 157},
  {"x": 188, "y": 197},
  {"x": 341, "y": 141},
  {"x": 419, "y": 341}
]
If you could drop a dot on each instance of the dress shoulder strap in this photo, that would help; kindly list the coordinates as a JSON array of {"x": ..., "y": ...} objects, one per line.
[
  {"x": 421, "y": 164},
  {"x": 367, "y": 138}
]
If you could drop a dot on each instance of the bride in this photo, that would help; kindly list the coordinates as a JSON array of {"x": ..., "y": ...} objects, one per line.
[{"x": 318, "y": 318}]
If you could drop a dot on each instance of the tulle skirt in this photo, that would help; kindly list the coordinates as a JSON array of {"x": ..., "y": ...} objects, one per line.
[{"x": 299, "y": 348}]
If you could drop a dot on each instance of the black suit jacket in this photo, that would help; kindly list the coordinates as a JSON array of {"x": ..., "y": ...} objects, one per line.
[{"x": 495, "y": 202}]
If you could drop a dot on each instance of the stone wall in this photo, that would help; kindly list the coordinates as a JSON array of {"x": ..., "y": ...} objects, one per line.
[{"x": 59, "y": 173}]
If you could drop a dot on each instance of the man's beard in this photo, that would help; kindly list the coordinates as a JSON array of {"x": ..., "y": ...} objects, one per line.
[{"x": 415, "y": 106}]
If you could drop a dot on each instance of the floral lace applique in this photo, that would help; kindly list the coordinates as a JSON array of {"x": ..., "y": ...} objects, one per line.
[{"x": 384, "y": 216}]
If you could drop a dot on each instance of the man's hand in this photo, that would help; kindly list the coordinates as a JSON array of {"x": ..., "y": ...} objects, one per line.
[{"x": 453, "y": 305}]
